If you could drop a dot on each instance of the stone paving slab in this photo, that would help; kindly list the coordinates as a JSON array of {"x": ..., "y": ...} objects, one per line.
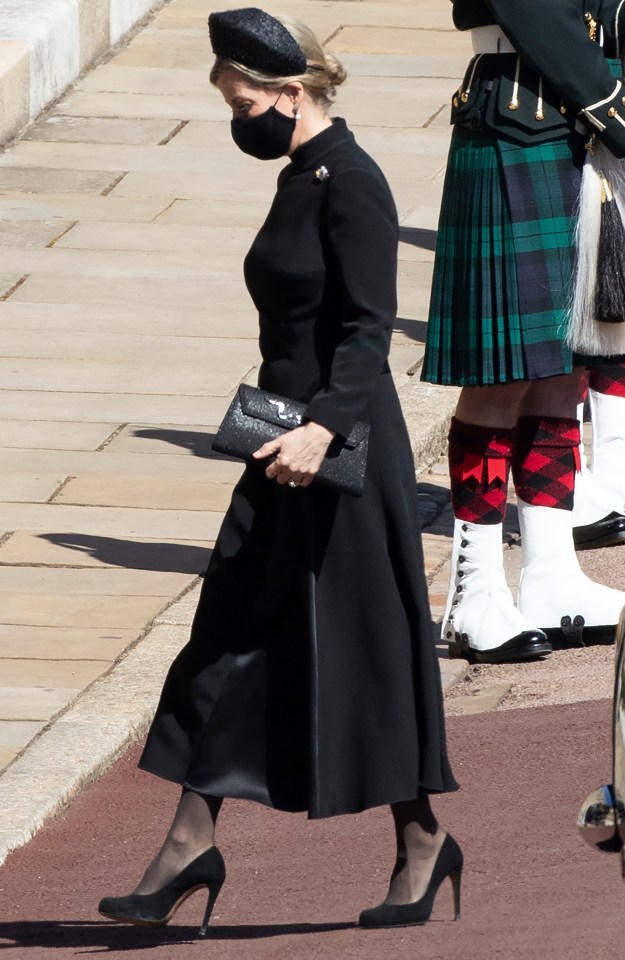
[
  {"x": 36, "y": 703},
  {"x": 15, "y": 204},
  {"x": 415, "y": 102},
  {"x": 118, "y": 264},
  {"x": 81, "y": 346},
  {"x": 8, "y": 283},
  {"x": 27, "y": 487},
  {"x": 67, "y": 643},
  {"x": 147, "y": 80},
  {"x": 96, "y": 610},
  {"x": 125, "y": 492},
  {"x": 176, "y": 186},
  {"x": 54, "y": 436},
  {"x": 96, "y": 319},
  {"x": 15, "y": 735},
  {"x": 25, "y": 233},
  {"x": 171, "y": 52},
  {"x": 39, "y": 404},
  {"x": 47, "y": 674},
  {"x": 232, "y": 363},
  {"x": 42, "y": 180},
  {"x": 105, "y": 463},
  {"x": 160, "y": 237},
  {"x": 123, "y": 522},
  {"x": 193, "y": 106},
  {"x": 399, "y": 40},
  {"x": 156, "y": 159},
  {"x": 103, "y": 130},
  {"x": 152, "y": 293},
  {"x": 218, "y": 212},
  {"x": 451, "y": 67},
  {"x": 111, "y": 582}
]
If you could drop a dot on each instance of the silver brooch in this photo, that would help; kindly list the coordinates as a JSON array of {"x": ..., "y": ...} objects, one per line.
[{"x": 322, "y": 174}]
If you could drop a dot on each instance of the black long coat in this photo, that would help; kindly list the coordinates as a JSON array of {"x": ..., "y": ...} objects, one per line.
[{"x": 310, "y": 681}]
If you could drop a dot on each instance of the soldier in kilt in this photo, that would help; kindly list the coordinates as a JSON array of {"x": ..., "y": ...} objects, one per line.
[{"x": 540, "y": 82}]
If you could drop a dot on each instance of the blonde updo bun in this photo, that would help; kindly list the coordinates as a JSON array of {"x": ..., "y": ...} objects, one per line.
[{"x": 324, "y": 72}]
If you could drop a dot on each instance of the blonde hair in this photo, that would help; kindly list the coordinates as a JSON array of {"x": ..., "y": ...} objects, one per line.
[{"x": 324, "y": 73}]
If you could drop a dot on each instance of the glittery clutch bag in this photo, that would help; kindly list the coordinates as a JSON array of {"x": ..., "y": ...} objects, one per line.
[{"x": 256, "y": 416}]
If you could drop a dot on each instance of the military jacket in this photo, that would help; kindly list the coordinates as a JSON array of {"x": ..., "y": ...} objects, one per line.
[{"x": 566, "y": 68}]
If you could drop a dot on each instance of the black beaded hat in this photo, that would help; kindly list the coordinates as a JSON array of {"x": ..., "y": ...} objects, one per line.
[{"x": 256, "y": 40}]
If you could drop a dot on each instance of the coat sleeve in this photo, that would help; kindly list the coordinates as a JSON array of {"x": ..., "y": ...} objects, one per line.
[
  {"x": 553, "y": 40},
  {"x": 362, "y": 235}
]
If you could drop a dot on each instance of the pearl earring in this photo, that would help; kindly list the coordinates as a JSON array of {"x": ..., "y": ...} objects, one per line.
[{"x": 296, "y": 114}]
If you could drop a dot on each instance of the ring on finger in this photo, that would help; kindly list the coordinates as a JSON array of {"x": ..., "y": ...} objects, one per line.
[{"x": 293, "y": 484}]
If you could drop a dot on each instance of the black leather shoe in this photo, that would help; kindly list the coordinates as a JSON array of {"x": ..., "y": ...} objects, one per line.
[
  {"x": 449, "y": 863},
  {"x": 573, "y": 632},
  {"x": 529, "y": 645},
  {"x": 607, "y": 532}
]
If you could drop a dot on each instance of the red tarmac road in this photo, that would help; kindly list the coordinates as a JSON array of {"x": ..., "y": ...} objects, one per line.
[{"x": 531, "y": 887}]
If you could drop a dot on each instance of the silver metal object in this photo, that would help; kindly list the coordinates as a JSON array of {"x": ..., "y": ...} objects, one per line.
[
  {"x": 282, "y": 411},
  {"x": 293, "y": 484},
  {"x": 601, "y": 819}
]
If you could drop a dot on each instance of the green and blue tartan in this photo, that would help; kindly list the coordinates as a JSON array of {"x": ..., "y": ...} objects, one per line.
[{"x": 504, "y": 262}]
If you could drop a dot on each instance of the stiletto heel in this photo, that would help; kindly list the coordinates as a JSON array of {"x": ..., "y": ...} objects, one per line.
[
  {"x": 157, "y": 909},
  {"x": 213, "y": 892},
  {"x": 449, "y": 863},
  {"x": 456, "y": 880}
]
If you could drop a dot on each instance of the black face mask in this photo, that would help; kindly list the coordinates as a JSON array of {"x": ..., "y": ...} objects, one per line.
[{"x": 267, "y": 136}]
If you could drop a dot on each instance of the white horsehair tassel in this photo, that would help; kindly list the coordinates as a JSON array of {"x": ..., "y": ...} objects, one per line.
[{"x": 585, "y": 333}]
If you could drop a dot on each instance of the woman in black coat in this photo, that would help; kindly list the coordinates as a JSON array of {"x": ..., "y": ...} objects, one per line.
[{"x": 310, "y": 682}]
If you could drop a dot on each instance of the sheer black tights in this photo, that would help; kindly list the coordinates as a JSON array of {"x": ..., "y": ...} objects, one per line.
[
  {"x": 191, "y": 833},
  {"x": 419, "y": 839}
]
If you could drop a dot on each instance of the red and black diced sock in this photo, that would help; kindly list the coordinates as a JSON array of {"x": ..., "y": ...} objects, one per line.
[
  {"x": 582, "y": 387},
  {"x": 609, "y": 379},
  {"x": 545, "y": 461},
  {"x": 479, "y": 468}
]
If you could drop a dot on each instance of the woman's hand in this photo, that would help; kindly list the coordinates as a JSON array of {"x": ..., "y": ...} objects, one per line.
[{"x": 298, "y": 454}]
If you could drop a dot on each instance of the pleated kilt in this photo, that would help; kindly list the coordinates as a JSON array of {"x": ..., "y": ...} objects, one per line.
[{"x": 504, "y": 261}]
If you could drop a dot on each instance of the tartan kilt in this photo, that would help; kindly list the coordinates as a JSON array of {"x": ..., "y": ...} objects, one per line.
[{"x": 505, "y": 260}]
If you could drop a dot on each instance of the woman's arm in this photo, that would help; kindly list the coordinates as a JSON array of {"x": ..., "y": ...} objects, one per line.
[{"x": 362, "y": 233}]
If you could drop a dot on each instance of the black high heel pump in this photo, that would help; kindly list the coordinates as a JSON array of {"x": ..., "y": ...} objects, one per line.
[
  {"x": 157, "y": 909},
  {"x": 448, "y": 864}
]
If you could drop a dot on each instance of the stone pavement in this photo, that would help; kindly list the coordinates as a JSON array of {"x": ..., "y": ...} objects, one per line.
[{"x": 125, "y": 213}]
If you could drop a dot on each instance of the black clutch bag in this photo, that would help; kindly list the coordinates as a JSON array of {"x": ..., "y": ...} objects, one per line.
[{"x": 255, "y": 416}]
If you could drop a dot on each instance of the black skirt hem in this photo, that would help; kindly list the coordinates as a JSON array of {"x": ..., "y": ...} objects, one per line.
[{"x": 312, "y": 815}]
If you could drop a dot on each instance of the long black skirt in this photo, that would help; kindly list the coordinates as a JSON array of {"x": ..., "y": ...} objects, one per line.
[{"x": 311, "y": 681}]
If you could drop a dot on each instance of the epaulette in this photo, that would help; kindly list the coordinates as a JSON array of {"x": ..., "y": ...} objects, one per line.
[{"x": 607, "y": 115}]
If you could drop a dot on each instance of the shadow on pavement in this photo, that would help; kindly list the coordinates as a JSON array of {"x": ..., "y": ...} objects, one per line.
[
  {"x": 418, "y": 237},
  {"x": 433, "y": 500},
  {"x": 161, "y": 557},
  {"x": 415, "y": 329},
  {"x": 109, "y": 937},
  {"x": 198, "y": 443}
]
